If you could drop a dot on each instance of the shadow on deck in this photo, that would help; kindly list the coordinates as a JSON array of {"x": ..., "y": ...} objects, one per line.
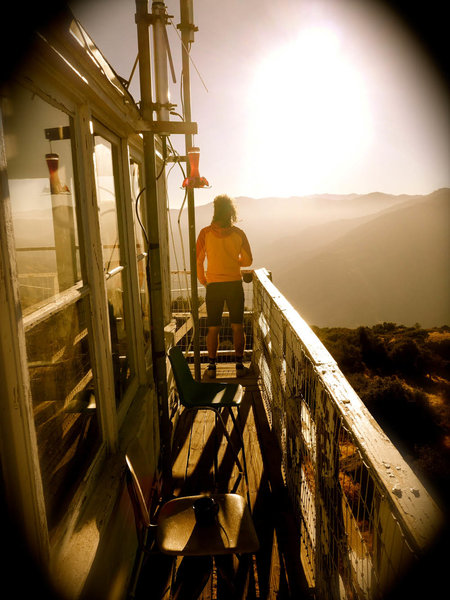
[{"x": 275, "y": 570}]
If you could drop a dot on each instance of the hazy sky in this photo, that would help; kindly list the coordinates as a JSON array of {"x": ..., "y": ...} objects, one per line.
[{"x": 303, "y": 96}]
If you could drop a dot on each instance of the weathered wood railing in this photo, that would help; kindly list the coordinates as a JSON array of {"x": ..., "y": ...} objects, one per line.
[{"x": 363, "y": 517}]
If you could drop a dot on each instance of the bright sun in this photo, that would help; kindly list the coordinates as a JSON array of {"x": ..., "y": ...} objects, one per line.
[{"x": 309, "y": 116}]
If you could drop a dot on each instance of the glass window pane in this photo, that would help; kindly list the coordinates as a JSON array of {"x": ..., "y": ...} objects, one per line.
[
  {"x": 139, "y": 209},
  {"x": 63, "y": 403},
  {"x": 119, "y": 339},
  {"x": 164, "y": 243},
  {"x": 106, "y": 198},
  {"x": 104, "y": 158},
  {"x": 145, "y": 300},
  {"x": 41, "y": 185},
  {"x": 141, "y": 247}
]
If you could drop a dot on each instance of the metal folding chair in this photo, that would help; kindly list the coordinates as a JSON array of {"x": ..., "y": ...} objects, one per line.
[
  {"x": 179, "y": 531},
  {"x": 213, "y": 396},
  {"x": 142, "y": 521}
]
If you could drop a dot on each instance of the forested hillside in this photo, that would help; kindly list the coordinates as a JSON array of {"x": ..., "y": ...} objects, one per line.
[{"x": 402, "y": 376}]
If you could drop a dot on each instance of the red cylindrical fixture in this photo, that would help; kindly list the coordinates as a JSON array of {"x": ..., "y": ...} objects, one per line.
[
  {"x": 194, "y": 159},
  {"x": 194, "y": 180},
  {"x": 56, "y": 187}
]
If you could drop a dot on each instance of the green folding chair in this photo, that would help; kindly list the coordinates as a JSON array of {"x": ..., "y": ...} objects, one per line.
[{"x": 215, "y": 396}]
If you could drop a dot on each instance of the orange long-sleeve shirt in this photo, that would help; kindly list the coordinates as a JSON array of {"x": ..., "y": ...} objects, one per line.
[{"x": 226, "y": 250}]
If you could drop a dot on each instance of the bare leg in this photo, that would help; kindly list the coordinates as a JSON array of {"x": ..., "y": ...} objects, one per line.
[
  {"x": 238, "y": 339},
  {"x": 212, "y": 341},
  {"x": 239, "y": 347}
]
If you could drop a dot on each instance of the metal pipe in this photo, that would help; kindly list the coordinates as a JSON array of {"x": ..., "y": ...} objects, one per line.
[
  {"x": 154, "y": 274},
  {"x": 160, "y": 60},
  {"x": 186, "y": 27}
]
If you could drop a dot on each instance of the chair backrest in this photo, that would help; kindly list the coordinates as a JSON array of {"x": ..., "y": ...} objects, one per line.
[
  {"x": 141, "y": 514},
  {"x": 186, "y": 384}
]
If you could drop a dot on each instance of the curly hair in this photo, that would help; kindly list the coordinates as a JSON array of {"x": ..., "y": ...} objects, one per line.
[{"x": 224, "y": 211}]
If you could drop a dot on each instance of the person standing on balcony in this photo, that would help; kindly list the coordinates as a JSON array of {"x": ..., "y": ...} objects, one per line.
[{"x": 226, "y": 249}]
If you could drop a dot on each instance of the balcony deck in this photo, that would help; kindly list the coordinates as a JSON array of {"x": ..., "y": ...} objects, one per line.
[
  {"x": 275, "y": 571},
  {"x": 329, "y": 492}
]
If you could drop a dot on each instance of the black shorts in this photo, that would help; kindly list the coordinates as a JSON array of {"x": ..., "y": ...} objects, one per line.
[{"x": 217, "y": 293}]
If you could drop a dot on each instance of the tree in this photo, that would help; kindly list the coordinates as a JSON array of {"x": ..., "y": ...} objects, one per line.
[
  {"x": 402, "y": 412},
  {"x": 406, "y": 358},
  {"x": 373, "y": 351}
]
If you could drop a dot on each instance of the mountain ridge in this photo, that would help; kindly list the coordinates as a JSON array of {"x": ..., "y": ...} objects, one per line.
[
  {"x": 347, "y": 260},
  {"x": 393, "y": 267}
]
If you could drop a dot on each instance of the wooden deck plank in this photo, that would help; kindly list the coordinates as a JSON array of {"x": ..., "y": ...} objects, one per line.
[{"x": 268, "y": 574}]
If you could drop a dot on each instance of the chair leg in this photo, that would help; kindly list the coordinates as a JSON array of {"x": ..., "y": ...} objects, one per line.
[
  {"x": 227, "y": 435},
  {"x": 137, "y": 571},
  {"x": 237, "y": 424},
  {"x": 216, "y": 449},
  {"x": 218, "y": 416},
  {"x": 226, "y": 587},
  {"x": 189, "y": 447},
  {"x": 191, "y": 577},
  {"x": 173, "y": 573}
]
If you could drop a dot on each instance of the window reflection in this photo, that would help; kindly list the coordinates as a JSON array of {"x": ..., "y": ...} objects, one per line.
[
  {"x": 119, "y": 340},
  {"x": 106, "y": 198},
  {"x": 141, "y": 246},
  {"x": 104, "y": 158},
  {"x": 63, "y": 404},
  {"x": 145, "y": 300},
  {"x": 138, "y": 206},
  {"x": 41, "y": 185}
]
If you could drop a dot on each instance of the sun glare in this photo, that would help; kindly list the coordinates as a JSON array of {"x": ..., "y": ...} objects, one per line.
[{"x": 308, "y": 113}]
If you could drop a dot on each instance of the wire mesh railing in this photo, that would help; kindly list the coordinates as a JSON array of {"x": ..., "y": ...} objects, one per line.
[
  {"x": 181, "y": 312},
  {"x": 363, "y": 517}
]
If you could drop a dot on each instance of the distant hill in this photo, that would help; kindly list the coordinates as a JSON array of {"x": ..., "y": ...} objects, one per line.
[
  {"x": 393, "y": 267},
  {"x": 353, "y": 259}
]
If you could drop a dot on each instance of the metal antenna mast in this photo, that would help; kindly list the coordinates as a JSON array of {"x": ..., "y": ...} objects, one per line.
[
  {"x": 187, "y": 37},
  {"x": 154, "y": 259},
  {"x": 149, "y": 128}
]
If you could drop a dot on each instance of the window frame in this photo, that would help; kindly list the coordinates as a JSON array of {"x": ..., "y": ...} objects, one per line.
[
  {"x": 129, "y": 269},
  {"x": 136, "y": 155},
  {"x": 20, "y": 468},
  {"x": 20, "y": 465},
  {"x": 62, "y": 73},
  {"x": 83, "y": 288}
]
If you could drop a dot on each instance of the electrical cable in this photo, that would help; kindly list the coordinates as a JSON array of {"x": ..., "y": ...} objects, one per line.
[
  {"x": 176, "y": 154},
  {"x": 110, "y": 210},
  {"x": 181, "y": 235},
  {"x": 170, "y": 222},
  {"x": 178, "y": 270},
  {"x": 179, "y": 217},
  {"x": 136, "y": 204},
  {"x": 147, "y": 239},
  {"x": 162, "y": 169},
  {"x": 189, "y": 305},
  {"x": 127, "y": 84},
  {"x": 189, "y": 54},
  {"x": 172, "y": 236},
  {"x": 182, "y": 96},
  {"x": 171, "y": 228},
  {"x": 147, "y": 258}
]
